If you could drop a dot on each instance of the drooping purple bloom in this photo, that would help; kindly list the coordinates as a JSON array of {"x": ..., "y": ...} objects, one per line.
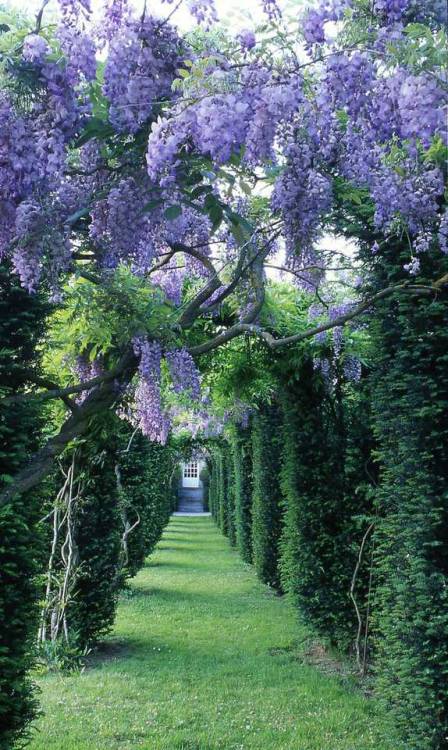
[
  {"x": 247, "y": 39},
  {"x": 35, "y": 48},
  {"x": 184, "y": 373}
]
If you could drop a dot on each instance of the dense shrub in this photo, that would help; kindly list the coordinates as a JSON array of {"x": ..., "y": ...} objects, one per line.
[
  {"x": 222, "y": 490},
  {"x": 229, "y": 495},
  {"x": 111, "y": 520},
  {"x": 97, "y": 537},
  {"x": 145, "y": 471},
  {"x": 267, "y": 505},
  {"x": 411, "y": 424},
  {"x": 21, "y": 319},
  {"x": 241, "y": 449},
  {"x": 318, "y": 542},
  {"x": 205, "y": 479}
]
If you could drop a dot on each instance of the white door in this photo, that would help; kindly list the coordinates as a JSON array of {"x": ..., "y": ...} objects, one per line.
[{"x": 191, "y": 474}]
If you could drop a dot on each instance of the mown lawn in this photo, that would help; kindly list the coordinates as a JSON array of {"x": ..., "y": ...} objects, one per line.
[{"x": 203, "y": 657}]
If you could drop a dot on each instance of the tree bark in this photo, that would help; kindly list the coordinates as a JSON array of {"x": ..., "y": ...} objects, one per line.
[{"x": 102, "y": 398}]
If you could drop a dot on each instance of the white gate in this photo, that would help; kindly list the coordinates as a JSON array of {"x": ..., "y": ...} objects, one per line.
[{"x": 190, "y": 477}]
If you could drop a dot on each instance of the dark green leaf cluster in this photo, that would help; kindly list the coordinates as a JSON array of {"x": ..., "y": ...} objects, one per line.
[
  {"x": 21, "y": 322},
  {"x": 410, "y": 404}
]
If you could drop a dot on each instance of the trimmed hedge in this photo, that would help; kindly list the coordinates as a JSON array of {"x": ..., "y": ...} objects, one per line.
[
  {"x": 241, "y": 449},
  {"x": 267, "y": 504},
  {"x": 123, "y": 500},
  {"x": 98, "y": 532},
  {"x": 410, "y": 392},
  {"x": 146, "y": 471},
  {"x": 319, "y": 545},
  {"x": 21, "y": 321},
  {"x": 229, "y": 495}
]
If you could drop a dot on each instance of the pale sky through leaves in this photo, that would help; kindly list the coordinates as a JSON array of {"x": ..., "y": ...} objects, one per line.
[{"x": 233, "y": 13}]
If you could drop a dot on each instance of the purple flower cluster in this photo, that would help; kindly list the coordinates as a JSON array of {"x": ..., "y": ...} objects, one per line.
[
  {"x": 315, "y": 19},
  {"x": 413, "y": 267},
  {"x": 152, "y": 419},
  {"x": 423, "y": 108},
  {"x": 56, "y": 119},
  {"x": 204, "y": 11},
  {"x": 140, "y": 68},
  {"x": 171, "y": 283},
  {"x": 71, "y": 10},
  {"x": 408, "y": 194},
  {"x": 383, "y": 112},
  {"x": 184, "y": 373},
  {"x": 247, "y": 39},
  {"x": 352, "y": 368},
  {"x": 116, "y": 14},
  {"x": 443, "y": 233},
  {"x": 27, "y": 256},
  {"x": 335, "y": 312},
  {"x": 120, "y": 228},
  {"x": 20, "y": 168},
  {"x": 35, "y": 48},
  {"x": 85, "y": 370},
  {"x": 391, "y": 10},
  {"x": 348, "y": 82},
  {"x": 302, "y": 195},
  {"x": 220, "y": 125},
  {"x": 79, "y": 51},
  {"x": 271, "y": 9}
]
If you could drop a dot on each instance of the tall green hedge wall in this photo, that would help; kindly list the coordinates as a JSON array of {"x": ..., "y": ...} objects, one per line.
[
  {"x": 21, "y": 319},
  {"x": 410, "y": 400},
  {"x": 320, "y": 538},
  {"x": 241, "y": 451},
  {"x": 146, "y": 470},
  {"x": 125, "y": 500},
  {"x": 267, "y": 501},
  {"x": 345, "y": 464}
]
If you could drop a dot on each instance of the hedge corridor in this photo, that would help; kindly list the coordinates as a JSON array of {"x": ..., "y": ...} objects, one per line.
[{"x": 339, "y": 499}]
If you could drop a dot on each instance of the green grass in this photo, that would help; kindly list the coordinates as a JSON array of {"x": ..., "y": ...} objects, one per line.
[{"x": 203, "y": 657}]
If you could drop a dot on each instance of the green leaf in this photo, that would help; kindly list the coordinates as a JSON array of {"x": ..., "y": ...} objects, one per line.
[{"x": 172, "y": 212}]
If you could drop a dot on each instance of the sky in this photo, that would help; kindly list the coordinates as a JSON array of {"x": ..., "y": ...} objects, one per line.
[{"x": 234, "y": 13}]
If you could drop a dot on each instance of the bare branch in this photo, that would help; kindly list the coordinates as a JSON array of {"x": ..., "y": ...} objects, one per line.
[{"x": 39, "y": 16}]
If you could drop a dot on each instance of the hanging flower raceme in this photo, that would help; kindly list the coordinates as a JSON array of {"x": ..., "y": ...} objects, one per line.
[
  {"x": 151, "y": 417},
  {"x": 184, "y": 373},
  {"x": 141, "y": 66},
  {"x": 86, "y": 369}
]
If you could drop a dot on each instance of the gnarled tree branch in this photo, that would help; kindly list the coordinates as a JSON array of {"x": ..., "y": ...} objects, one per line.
[
  {"x": 78, "y": 423},
  {"x": 254, "y": 330}
]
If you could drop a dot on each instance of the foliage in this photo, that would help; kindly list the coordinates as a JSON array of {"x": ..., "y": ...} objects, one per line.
[
  {"x": 110, "y": 517},
  {"x": 267, "y": 504},
  {"x": 151, "y": 191},
  {"x": 410, "y": 401},
  {"x": 98, "y": 319},
  {"x": 322, "y": 498},
  {"x": 97, "y": 540},
  {"x": 145, "y": 476},
  {"x": 241, "y": 448},
  {"x": 21, "y": 324}
]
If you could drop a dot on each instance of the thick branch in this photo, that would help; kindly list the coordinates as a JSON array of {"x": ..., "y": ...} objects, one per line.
[
  {"x": 100, "y": 399},
  {"x": 54, "y": 391},
  {"x": 45, "y": 383},
  {"x": 253, "y": 330},
  {"x": 192, "y": 310}
]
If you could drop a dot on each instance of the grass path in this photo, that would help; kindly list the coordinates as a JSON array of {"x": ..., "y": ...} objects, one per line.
[{"x": 203, "y": 657}]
